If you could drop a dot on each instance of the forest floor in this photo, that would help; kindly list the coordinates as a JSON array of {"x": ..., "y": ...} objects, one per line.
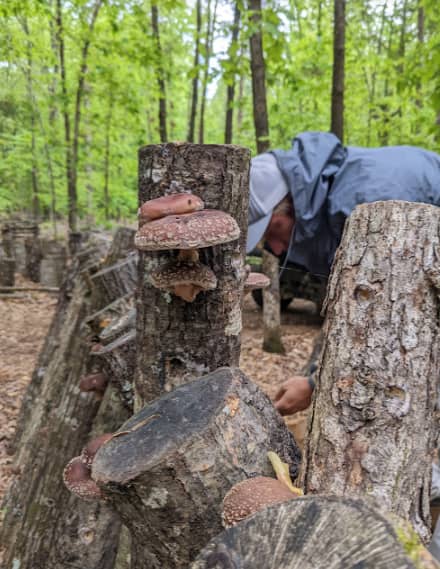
[{"x": 24, "y": 322}]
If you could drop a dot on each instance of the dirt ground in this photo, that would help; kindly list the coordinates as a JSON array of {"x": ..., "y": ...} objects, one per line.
[{"x": 24, "y": 322}]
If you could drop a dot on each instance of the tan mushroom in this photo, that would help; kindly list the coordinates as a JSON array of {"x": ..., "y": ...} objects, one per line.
[
  {"x": 187, "y": 232},
  {"x": 171, "y": 204},
  {"x": 252, "y": 495},
  {"x": 184, "y": 279},
  {"x": 255, "y": 281},
  {"x": 78, "y": 479}
]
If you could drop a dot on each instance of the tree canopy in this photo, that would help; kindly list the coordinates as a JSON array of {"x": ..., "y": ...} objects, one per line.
[{"x": 81, "y": 82}]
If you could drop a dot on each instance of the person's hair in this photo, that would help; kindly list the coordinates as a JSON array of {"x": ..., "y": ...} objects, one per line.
[{"x": 284, "y": 207}]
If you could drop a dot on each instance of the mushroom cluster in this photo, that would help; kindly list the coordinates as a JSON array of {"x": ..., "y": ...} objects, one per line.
[
  {"x": 179, "y": 222},
  {"x": 253, "y": 494},
  {"x": 77, "y": 475}
]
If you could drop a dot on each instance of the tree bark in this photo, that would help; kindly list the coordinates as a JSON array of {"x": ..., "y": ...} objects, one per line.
[
  {"x": 258, "y": 70},
  {"x": 167, "y": 472},
  {"x": 210, "y": 29},
  {"x": 114, "y": 281},
  {"x": 373, "y": 428},
  {"x": 337, "y": 120},
  {"x": 160, "y": 74},
  {"x": 7, "y": 271},
  {"x": 40, "y": 512},
  {"x": 53, "y": 263},
  {"x": 230, "y": 90},
  {"x": 315, "y": 532},
  {"x": 177, "y": 340},
  {"x": 272, "y": 341},
  {"x": 195, "y": 81}
]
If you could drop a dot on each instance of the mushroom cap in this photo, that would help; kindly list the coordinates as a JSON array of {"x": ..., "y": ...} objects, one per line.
[
  {"x": 255, "y": 281},
  {"x": 252, "y": 495},
  {"x": 187, "y": 231},
  {"x": 77, "y": 478},
  {"x": 171, "y": 204},
  {"x": 89, "y": 451},
  {"x": 93, "y": 382},
  {"x": 181, "y": 273}
]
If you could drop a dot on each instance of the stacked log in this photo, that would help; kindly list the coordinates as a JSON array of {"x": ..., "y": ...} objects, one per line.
[
  {"x": 14, "y": 234},
  {"x": 53, "y": 263}
]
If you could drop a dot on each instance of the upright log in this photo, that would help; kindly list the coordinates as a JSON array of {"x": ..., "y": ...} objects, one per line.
[
  {"x": 53, "y": 262},
  {"x": 316, "y": 532},
  {"x": 272, "y": 341},
  {"x": 177, "y": 340},
  {"x": 169, "y": 466},
  {"x": 373, "y": 427}
]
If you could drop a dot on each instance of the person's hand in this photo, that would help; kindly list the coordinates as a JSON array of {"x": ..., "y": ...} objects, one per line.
[{"x": 294, "y": 395}]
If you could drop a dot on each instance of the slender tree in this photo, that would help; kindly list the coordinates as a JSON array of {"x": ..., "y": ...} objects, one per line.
[
  {"x": 258, "y": 71},
  {"x": 231, "y": 77},
  {"x": 195, "y": 81},
  {"x": 209, "y": 39},
  {"x": 337, "y": 110},
  {"x": 107, "y": 155},
  {"x": 160, "y": 73}
]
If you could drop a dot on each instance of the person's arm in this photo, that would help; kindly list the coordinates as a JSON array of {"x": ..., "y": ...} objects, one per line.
[{"x": 295, "y": 394}]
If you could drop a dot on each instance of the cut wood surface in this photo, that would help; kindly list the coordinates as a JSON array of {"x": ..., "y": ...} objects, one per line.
[
  {"x": 168, "y": 470},
  {"x": 316, "y": 532},
  {"x": 374, "y": 427}
]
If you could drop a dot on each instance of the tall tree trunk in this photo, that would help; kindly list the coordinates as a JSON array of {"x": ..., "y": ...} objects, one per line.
[
  {"x": 72, "y": 144},
  {"x": 231, "y": 78},
  {"x": 337, "y": 119},
  {"x": 28, "y": 72},
  {"x": 272, "y": 341},
  {"x": 373, "y": 427},
  {"x": 107, "y": 157},
  {"x": 195, "y": 81},
  {"x": 258, "y": 70},
  {"x": 210, "y": 28},
  {"x": 160, "y": 74}
]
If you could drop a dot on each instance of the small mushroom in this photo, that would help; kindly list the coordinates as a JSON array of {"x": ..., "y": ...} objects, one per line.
[
  {"x": 172, "y": 204},
  {"x": 78, "y": 479},
  {"x": 89, "y": 451},
  {"x": 96, "y": 382},
  {"x": 187, "y": 232},
  {"x": 184, "y": 279},
  {"x": 252, "y": 495},
  {"x": 255, "y": 281}
]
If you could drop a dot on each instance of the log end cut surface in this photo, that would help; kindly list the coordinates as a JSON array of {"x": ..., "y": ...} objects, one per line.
[{"x": 308, "y": 533}]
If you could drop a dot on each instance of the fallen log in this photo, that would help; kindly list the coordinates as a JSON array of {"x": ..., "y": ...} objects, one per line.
[
  {"x": 29, "y": 289},
  {"x": 168, "y": 467}
]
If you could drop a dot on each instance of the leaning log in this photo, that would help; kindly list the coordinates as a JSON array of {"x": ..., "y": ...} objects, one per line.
[
  {"x": 114, "y": 281},
  {"x": 316, "y": 532},
  {"x": 373, "y": 427},
  {"x": 168, "y": 467},
  {"x": 178, "y": 340}
]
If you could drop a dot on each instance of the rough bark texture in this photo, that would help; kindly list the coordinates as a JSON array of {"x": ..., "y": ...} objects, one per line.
[
  {"x": 33, "y": 259},
  {"x": 271, "y": 306},
  {"x": 7, "y": 271},
  {"x": 373, "y": 428},
  {"x": 337, "y": 111},
  {"x": 102, "y": 318},
  {"x": 114, "y": 281},
  {"x": 316, "y": 532},
  {"x": 167, "y": 472},
  {"x": 177, "y": 340},
  {"x": 53, "y": 263},
  {"x": 40, "y": 512},
  {"x": 14, "y": 235},
  {"x": 122, "y": 244}
]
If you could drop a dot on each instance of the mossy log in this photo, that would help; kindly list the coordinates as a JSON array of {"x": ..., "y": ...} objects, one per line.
[
  {"x": 373, "y": 425},
  {"x": 316, "y": 532},
  {"x": 170, "y": 465},
  {"x": 179, "y": 340}
]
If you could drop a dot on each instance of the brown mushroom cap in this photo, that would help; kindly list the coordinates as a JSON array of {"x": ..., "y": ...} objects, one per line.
[
  {"x": 187, "y": 231},
  {"x": 172, "y": 204},
  {"x": 77, "y": 478},
  {"x": 89, "y": 451},
  {"x": 252, "y": 495},
  {"x": 184, "y": 279},
  {"x": 255, "y": 281},
  {"x": 93, "y": 382}
]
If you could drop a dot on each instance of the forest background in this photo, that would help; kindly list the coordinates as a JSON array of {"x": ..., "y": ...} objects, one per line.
[{"x": 85, "y": 83}]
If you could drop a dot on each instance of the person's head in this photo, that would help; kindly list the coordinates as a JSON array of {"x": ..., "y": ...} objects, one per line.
[{"x": 271, "y": 211}]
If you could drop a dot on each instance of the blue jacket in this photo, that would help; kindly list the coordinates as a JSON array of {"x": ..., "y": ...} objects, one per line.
[{"x": 327, "y": 181}]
